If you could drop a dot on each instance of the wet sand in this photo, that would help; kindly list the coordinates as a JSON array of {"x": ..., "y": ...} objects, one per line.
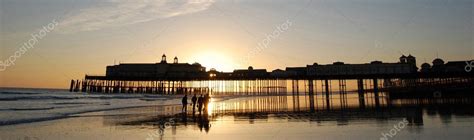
[{"x": 256, "y": 118}]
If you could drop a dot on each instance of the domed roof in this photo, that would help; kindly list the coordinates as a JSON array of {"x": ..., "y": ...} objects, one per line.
[
  {"x": 278, "y": 70},
  {"x": 250, "y": 68},
  {"x": 425, "y": 65},
  {"x": 376, "y": 62},
  {"x": 403, "y": 56},
  {"x": 438, "y": 61},
  {"x": 410, "y": 56},
  {"x": 196, "y": 64},
  {"x": 338, "y": 63}
]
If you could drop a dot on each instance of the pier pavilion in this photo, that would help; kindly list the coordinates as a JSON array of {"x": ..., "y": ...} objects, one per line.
[{"x": 160, "y": 70}]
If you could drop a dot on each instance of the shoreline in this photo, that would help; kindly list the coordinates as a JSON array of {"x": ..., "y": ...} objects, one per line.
[
  {"x": 170, "y": 100},
  {"x": 72, "y": 115}
]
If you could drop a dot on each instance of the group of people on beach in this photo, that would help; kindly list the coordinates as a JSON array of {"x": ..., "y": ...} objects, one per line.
[{"x": 201, "y": 103}]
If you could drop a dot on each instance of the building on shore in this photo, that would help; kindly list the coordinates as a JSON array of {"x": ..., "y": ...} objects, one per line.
[
  {"x": 250, "y": 72},
  {"x": 176, "y": 70},
  {"x": 405, "y": 66},
  {"x": 278, "y": 73},
  {"x": 439, "y": 66},
  {"x": 296, "y": 71},
  {"x": 458, "y": 66},
  {"x": 157, "y": 70}
]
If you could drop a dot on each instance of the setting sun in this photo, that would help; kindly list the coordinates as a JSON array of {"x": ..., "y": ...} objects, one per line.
[{"x": 215, "y": 59}]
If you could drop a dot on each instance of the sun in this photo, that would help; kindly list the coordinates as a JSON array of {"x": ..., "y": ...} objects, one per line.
[{"x": 214, "y": 59}]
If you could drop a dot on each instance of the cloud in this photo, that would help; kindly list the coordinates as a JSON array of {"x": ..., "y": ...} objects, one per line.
[{"x": 116, "y": 13}]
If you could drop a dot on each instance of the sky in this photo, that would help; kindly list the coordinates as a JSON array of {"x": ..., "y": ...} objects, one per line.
[{"x": 84, "y": 36}]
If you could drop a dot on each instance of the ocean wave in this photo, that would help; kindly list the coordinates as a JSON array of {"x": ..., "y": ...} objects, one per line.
[
  {"x": 16, "y": 98},
  {"x": 62, "y": 116},
  {"x": 36, "y": 98},
  {"x": 31, "y": 120},
  {"x": 71, "y": 103},
  {"x": 21, "y": 106},
  {"x": 18, "y": 93},
  {"x": 114, "y": 97},
  {"x": 30, "y": 109},
  {"x": 152, "y": 99}
]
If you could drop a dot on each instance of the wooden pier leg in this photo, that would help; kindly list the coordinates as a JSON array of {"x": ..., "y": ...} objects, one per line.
[
  {"x": 298, "y": 87},
  {"x": 160, "y": 87},
  {"x": 311, "y": 94},
  {"x": 168, "y": 86},
  {"x": 326, "y": 82},
  {"x": 360, "y": 85},
  {"x": 376, "y": 92},
  {"x": 275, "y": 86},
  {"x": 342, "y": 92},
  {"x": 297, "y": 96},
  {"x": 173, "y": 91},
  {"x": 71, "y": 87},
  {"x": 76, "y": 88}
]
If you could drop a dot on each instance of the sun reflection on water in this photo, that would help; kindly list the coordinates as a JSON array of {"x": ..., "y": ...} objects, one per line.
[{"x": 210, "y": 106}]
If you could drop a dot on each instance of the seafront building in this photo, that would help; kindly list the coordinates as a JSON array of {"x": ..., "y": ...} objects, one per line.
[
  {"x": 406, "y": 65},
  {"x": 157, "y": 70},
  {"x": 250, "y": 72},
  {"x": 176, "y": 70},
  {"x": 439, "y": 66}
]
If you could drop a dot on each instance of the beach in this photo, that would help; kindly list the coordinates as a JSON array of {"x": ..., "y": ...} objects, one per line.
[{"x": 256, "y": 117}]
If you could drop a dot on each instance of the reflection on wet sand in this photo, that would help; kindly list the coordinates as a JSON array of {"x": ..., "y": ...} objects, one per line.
[{"x": 301, "y": 108}]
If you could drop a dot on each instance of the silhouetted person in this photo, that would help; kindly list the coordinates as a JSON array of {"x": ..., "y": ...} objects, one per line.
[
  {"x": 200, "y": 103},
  {"x": 185, "y": 103},
  {"x": 194, "y": 101}
]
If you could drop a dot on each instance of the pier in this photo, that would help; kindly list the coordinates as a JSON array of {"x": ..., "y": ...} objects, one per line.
[
  {"x": 268, "y": 85},
  {"x": 337, "y": 78}
]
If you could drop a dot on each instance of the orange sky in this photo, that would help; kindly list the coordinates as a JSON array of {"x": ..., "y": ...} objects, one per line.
[{"x": 220, "y": 34}]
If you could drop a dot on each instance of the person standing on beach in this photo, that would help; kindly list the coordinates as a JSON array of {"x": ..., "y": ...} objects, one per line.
[
  {"x": 185, "y": 103},
  {"x": 200, "y": 103},
  {"x": 194, "y": 100}
]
